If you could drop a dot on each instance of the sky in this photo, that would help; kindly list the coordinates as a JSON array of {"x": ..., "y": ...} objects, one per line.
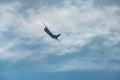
[{"x": 88, "y": 48}]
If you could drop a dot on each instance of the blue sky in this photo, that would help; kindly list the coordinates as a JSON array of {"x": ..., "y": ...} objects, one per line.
[{"x": 89, "y": 47}]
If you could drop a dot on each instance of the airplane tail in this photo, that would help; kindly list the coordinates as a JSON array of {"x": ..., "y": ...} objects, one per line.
[{"x": 58, "y": 35}]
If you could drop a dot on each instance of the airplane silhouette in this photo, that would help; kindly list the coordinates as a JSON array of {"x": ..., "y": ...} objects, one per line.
[{"x": 50, "y": 33}]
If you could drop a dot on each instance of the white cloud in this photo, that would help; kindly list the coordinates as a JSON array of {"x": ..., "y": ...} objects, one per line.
[
  {"x": 7, "y": 15},
  {"x": 13, "y": 56}
]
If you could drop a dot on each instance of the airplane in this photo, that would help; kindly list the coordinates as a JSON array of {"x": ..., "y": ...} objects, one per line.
[{"x": 50, "y": 33}]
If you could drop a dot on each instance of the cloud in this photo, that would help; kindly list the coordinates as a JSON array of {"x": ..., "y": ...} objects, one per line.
[
  {"x": 7, "y": 13},
  {"x": 84, "y": 64},
  {"x": 106, "y": 61},
  {"x": 79, "y": 23}
]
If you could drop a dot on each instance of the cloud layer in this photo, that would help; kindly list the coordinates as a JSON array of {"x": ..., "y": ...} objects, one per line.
[{"x": 86, "y": 29}]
